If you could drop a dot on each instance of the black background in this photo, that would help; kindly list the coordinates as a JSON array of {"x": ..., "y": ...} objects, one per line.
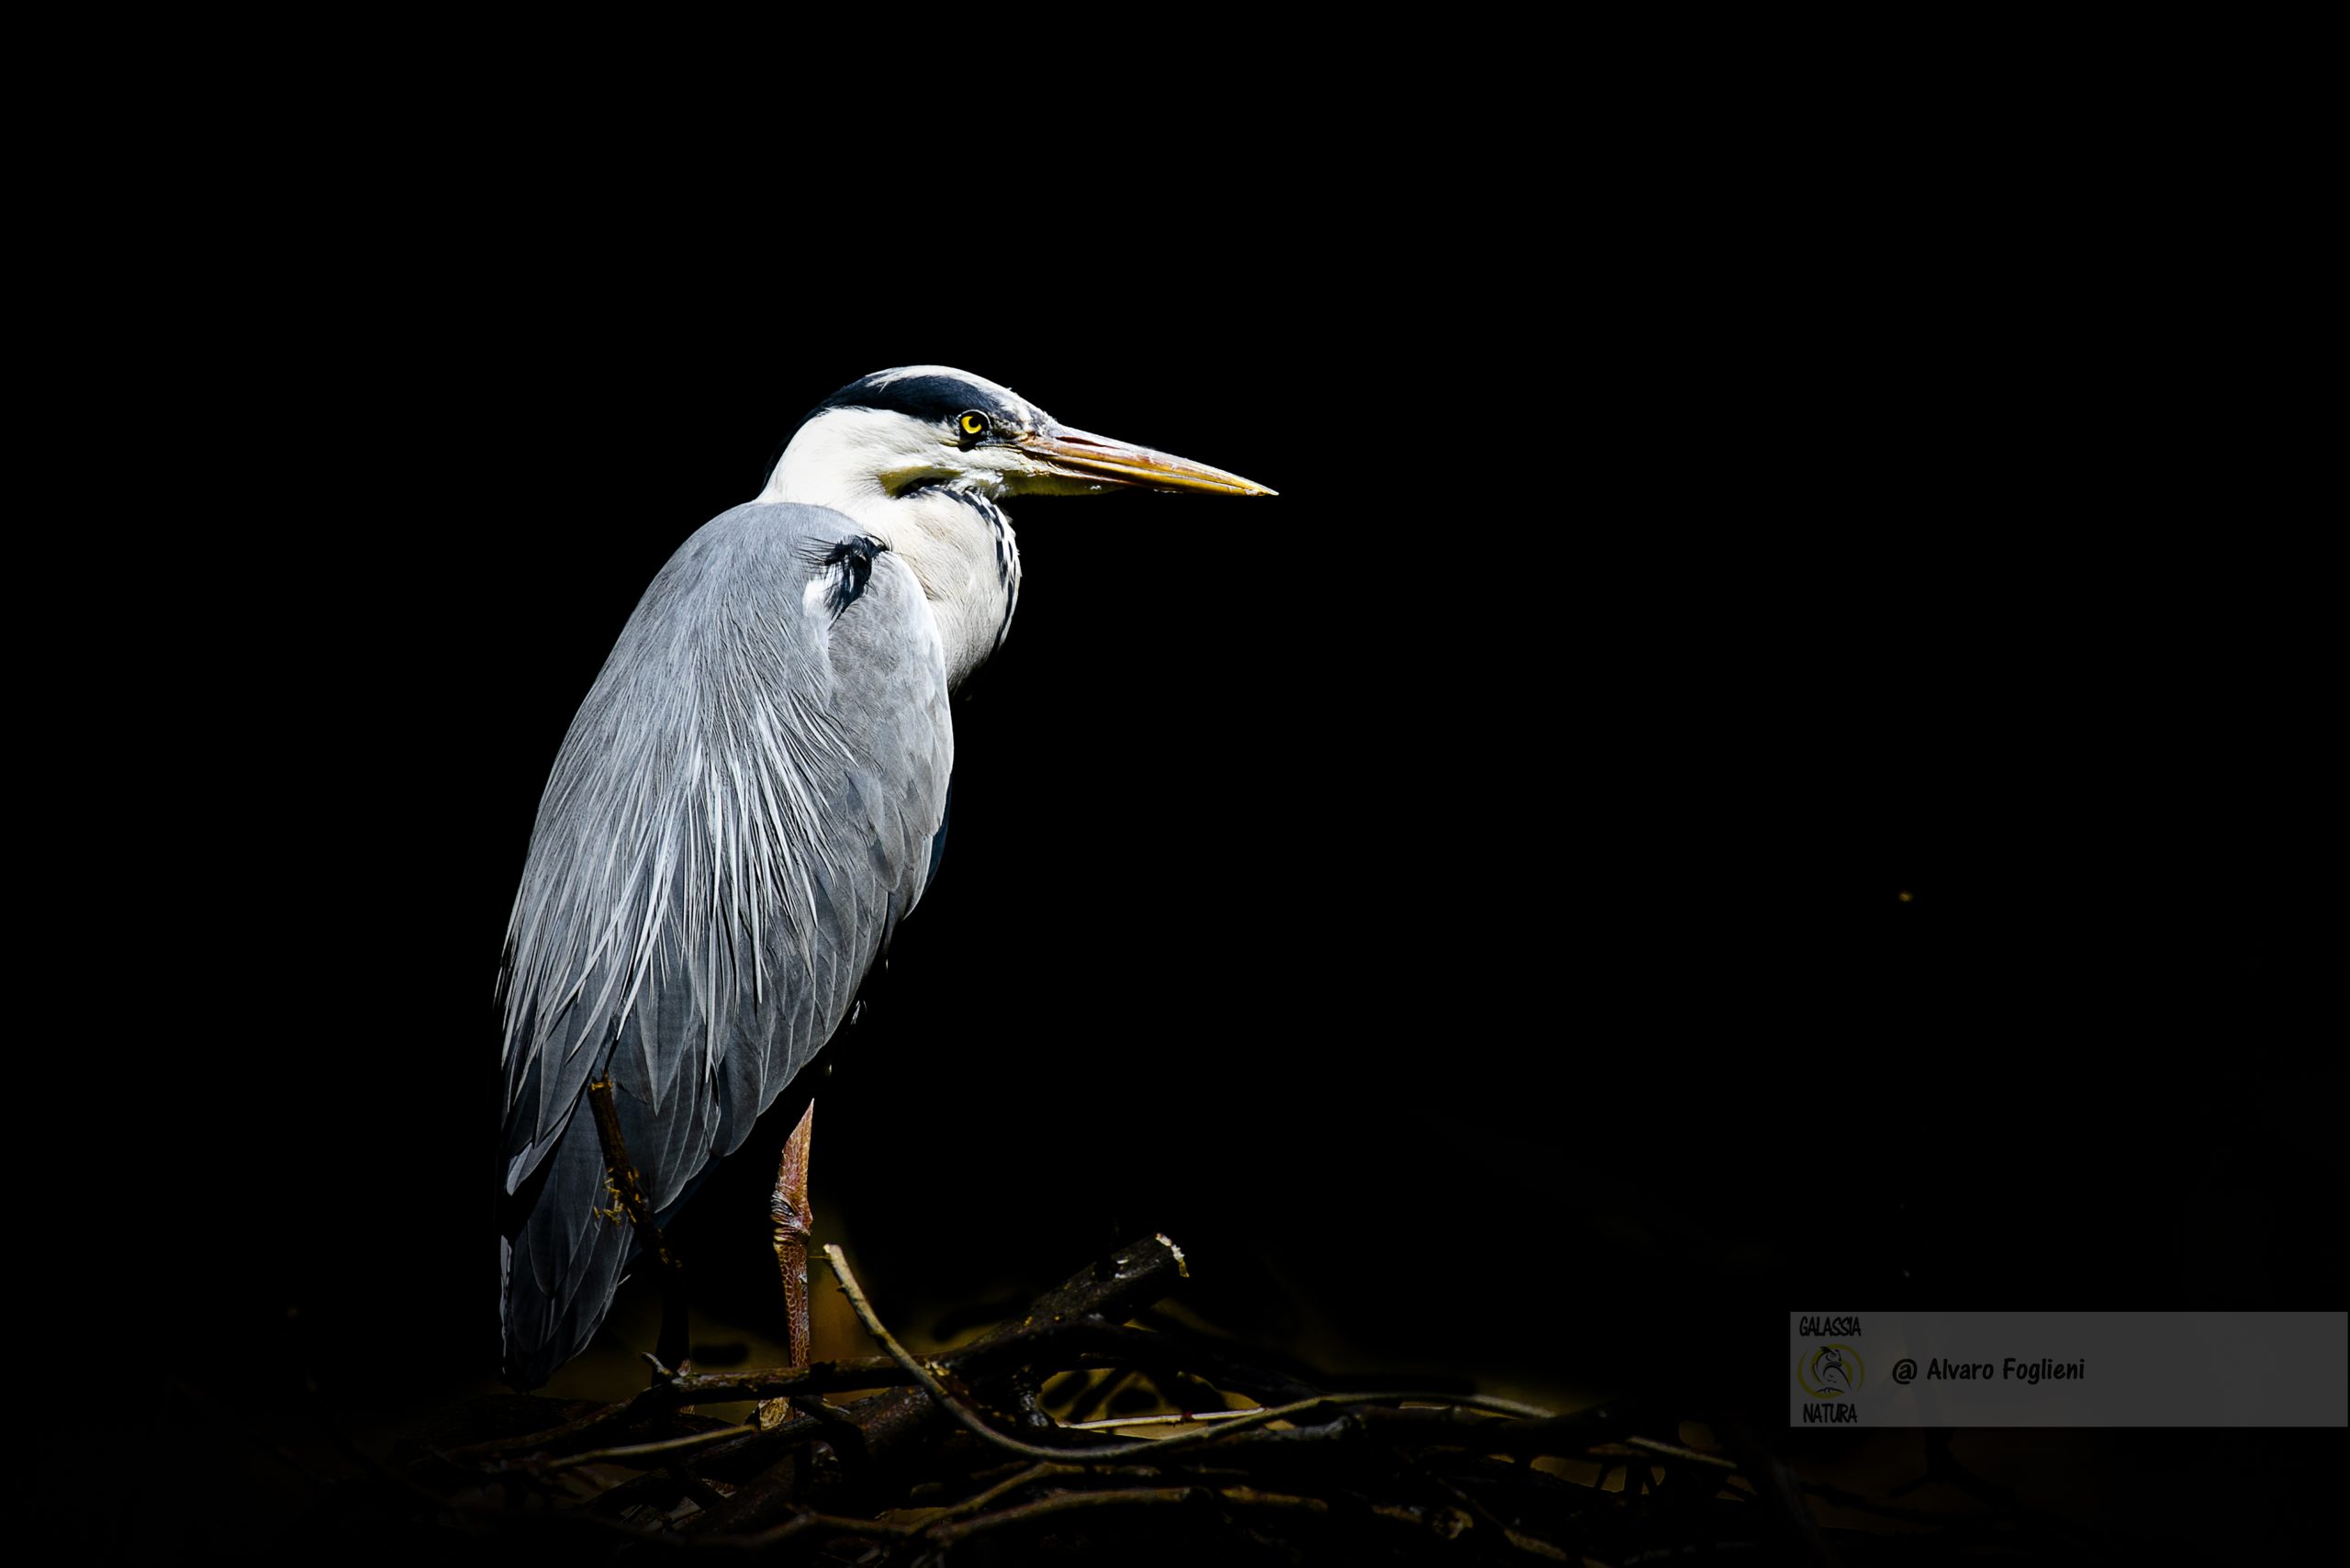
[{"x": 1460, "y": 899}]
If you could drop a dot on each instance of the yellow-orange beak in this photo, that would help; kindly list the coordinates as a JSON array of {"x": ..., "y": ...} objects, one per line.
[{"x": 1094, "y": 461}]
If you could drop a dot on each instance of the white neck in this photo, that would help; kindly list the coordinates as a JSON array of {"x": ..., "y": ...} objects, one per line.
[{"x": 962, "y": 550}]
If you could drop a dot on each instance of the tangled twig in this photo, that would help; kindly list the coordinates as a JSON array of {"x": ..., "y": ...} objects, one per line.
[{"x": 913, "y": 1473}]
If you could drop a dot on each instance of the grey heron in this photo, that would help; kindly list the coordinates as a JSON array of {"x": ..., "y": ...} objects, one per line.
[{"x": 752, "y": 797}]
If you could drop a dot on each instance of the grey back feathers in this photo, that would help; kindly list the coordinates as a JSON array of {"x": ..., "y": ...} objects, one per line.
[{"x": 741, "y": 813}]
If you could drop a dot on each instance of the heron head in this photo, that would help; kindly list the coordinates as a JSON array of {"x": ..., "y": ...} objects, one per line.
[{"x": 903, "y": 431}]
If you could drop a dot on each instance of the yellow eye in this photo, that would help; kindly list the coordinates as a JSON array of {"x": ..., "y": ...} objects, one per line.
[{"x": 974, "y": 423}]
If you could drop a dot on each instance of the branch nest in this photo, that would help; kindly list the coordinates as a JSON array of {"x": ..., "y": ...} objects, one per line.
[{"x": 993, "y": 1452}]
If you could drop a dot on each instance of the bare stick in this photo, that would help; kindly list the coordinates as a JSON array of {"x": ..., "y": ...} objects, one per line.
[
  {"x": 1228, "y": 1500},
  {"x": 970, "y": 1420},
  {"x": 1108, "y": 1290},
  {"x": 1174, "y": 1418},
  {"x": 636, "y": 1451}
]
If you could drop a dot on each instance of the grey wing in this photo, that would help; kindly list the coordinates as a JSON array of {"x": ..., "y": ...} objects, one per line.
[{"x": 743, "y": 809}]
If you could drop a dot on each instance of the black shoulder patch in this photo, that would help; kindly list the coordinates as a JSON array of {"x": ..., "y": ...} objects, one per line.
[{"x": 852, "y": 561}]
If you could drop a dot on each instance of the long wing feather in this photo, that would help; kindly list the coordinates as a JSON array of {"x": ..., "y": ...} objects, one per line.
[{"x": 744, "y": 808}]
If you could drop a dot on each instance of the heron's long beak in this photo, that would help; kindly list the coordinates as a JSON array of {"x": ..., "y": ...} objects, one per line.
[{"x": 1096, "y": 460}]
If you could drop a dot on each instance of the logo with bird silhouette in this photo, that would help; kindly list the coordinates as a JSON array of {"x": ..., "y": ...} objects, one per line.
[{"x": 1830, "y": 1372}]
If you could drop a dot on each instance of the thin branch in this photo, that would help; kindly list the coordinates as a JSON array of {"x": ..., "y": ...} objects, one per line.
[
  {"x": 1034, "y": 1474},
  {"x": 634, "y": 1452},
  {"x": 1096, "y": 1394},
  {"x": 1491, "y": 1528},
  {"x": 1174, "y": 1351},
  {"x": 1674, "y": 1450},
  {"x": 700, "y": 1388},
  {"x": 970, "y": 1421},
  {"x": 1446, "y": 1525},
  {"x": 1173, "y": 1418},
  {"x": 810, "y": 1521}
]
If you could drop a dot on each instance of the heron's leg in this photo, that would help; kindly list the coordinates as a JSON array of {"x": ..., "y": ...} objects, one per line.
[
  {"x": 795, "y": 1221},
  {"x": 674, "y": 1349}
]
